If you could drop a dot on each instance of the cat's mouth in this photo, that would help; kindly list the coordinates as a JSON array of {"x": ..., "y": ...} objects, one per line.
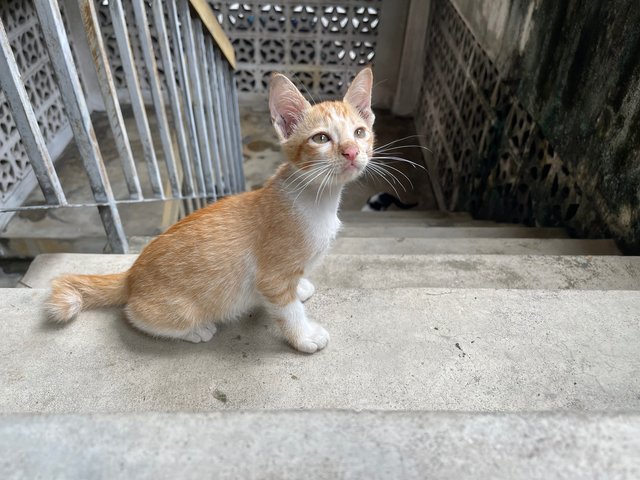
[{"x": 352, "y": 170}]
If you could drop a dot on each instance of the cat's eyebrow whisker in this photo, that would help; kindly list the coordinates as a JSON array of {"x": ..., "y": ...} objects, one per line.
[
  {"x": 313, "y": 100},
  {"x": 400, "y": 160},
  {"x": 399, "y": 140},
  {"x": 382, "y": 165}
]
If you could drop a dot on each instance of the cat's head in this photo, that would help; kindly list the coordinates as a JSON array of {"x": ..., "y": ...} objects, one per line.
[{"x": 336, "y": 135}]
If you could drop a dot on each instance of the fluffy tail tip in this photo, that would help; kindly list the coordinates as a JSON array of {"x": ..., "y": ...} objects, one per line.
[{"x": 64, "y": 303}]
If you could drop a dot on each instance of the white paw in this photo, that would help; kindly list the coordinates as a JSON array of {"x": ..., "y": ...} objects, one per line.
[
  {"x": 202, "y": 333},
  {"x": 313, "y": 339},
  {"x": 305, "y": 290}
]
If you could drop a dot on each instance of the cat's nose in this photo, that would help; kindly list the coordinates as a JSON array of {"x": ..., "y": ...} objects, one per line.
[{"x": 350, "y": 152}]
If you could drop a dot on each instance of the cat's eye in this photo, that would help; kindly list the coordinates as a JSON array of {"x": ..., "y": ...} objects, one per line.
[
  {"x": 360, "y": 132},
  {"x": 321, "y": 138}
]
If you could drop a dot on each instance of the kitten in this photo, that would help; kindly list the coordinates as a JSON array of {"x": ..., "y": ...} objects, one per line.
[
  {"x": 250, "y": 249},
  {"x": 383, "y": 200}
]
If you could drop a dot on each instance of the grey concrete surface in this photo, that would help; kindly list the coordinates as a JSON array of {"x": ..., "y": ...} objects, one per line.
[
  {"x": 480, "y": 271},
  {"x": 393, "y": 349},
  {"x": 492, "y": 246},
  {"x": 322, "y": 445},
  {"x": 396, "y": 271},
  {"x": 383, "y": 230},
  {"x": 46, "y": 267},
  {"x": 355, "y": 215}
]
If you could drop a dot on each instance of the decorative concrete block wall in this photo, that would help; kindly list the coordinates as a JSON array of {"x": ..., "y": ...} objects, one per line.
[
  {"x": 493, "y": 154},
  {"x": 321, "y": 45}
]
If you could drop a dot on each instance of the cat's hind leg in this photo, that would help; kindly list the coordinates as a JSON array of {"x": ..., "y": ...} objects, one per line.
[
  {"x": 305, "y": 290},
  {"x": 194, "y": 333},
  {"x": 201, "y": 333}
]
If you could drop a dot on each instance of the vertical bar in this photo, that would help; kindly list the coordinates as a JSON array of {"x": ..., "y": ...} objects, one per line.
[
  {"x": 80, "y": 120},
  {"x": 198, "y": 107},
  {"x": 211, "y": 124},
  {"x": 144, "y": 35},
  {"x": 27, "y": 124},
  {"x": 174, "y": 98},
  {"x": 137, "y": 104},
  {"x": 236, "y": 141},
  {"x": 214, "y": 65},
  {"x": 238, "y": 131},
  {"x": 183, "y": 76},
  {"x": 108, "y": 90},
  {"x": 224, "y": 93}
]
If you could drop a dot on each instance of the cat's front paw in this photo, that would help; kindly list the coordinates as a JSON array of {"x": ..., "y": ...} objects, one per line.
[
  {"x": 314, "y": 338},
  {"x": 305, "y": 290}
]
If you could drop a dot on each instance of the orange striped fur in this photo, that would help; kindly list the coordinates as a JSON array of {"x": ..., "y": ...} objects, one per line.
[{"x": 249, "y": 249}]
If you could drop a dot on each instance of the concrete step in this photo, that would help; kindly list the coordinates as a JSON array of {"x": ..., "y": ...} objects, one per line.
[
  {"x": 480, "y": 271},
  {"x": 470, "y": 245},
  {"x": 392, "y": 349},
  {"x": 331, "y": 444},
  {"x": 417, "y": 219},
  {"x": 411, "y": 231},
  {"x": 356, "y": 215},
  {"x": 396, "y": 271}
]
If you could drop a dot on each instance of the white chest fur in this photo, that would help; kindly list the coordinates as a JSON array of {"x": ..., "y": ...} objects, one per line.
[{"x": 320, "y": 217}]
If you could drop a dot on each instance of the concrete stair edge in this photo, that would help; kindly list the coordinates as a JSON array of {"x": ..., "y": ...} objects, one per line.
[
  {"x": 396, "y": 271},
  {"x": 382, "y": 230},
  {"x": 331, "y": 444}
]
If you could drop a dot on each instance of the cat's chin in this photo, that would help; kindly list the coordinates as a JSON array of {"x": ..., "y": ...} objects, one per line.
[{"x": 349, "y": 175}]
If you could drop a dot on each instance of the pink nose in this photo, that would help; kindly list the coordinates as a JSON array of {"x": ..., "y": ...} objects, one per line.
[{"x": 350, "y": 153}]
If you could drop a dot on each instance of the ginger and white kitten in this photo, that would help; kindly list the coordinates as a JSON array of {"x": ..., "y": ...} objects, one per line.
[{"x": 251, "y": 249}]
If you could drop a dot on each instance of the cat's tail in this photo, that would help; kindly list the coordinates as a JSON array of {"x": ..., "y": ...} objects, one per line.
[{"x": 70, "y": 294}]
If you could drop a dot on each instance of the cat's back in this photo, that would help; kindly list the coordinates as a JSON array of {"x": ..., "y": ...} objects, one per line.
[{"x": 215, "y": 236}]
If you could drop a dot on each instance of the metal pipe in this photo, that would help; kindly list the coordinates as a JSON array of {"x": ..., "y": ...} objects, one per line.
[
  {"x": 71, "y": 92},
  {"x": 27, "y": 124},
  {"x": 144, "y": 35},
  {"x": 135, "y": 95},
  {"x": 109, "y": 96}
]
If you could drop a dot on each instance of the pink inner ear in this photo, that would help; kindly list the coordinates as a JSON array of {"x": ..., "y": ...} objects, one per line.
[
  {"x": 359, "y": 95},
  {"x": 287, "y": 105}
]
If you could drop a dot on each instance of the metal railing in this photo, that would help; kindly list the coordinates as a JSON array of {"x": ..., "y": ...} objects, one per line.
[{"x": 197, "y": 62}]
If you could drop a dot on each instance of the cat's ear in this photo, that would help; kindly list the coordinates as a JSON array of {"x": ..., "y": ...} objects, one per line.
[
  {"x": 359, "y": 95},
  {"x": 287, "y": 105}
]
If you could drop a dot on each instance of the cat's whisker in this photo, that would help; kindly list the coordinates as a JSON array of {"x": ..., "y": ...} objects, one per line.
[
  {"x": 390, "y": 149},
  {"x": 330, "y": 180},
  {"x": 399, "y": 159},
  {"x": 383, "y": 165},
  {"x": 386, "y": 173},
  {"x": 300, "y": 171},
  {"x": 303, "y": 176},
  {"x": 398, "y": 140},
  {"x": 320, "y": 188},
  {"x": 383, "y": 168},
  {"x": 382, "y": 174},
  {"x": 326, "y": 167}
]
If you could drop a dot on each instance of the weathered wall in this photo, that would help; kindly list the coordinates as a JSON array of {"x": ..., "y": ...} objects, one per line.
[
  {"x": 575, "y": 68},
  {"x": 579, "y": 75}
]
